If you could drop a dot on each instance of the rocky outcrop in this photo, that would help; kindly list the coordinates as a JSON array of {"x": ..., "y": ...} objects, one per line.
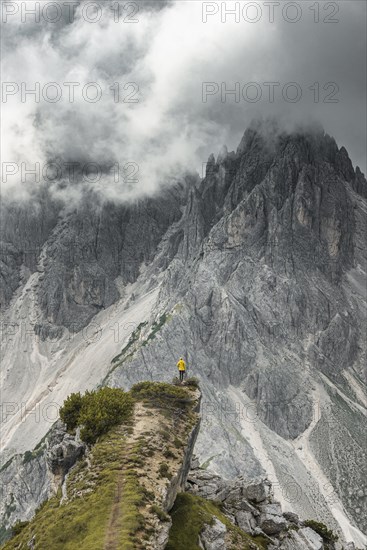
[
  {"x": 178, "y": 482},
  {"x": 250, "y": 505},
  {"x": 130, "y": 476},
  {"x": 30, "y": 479},
  {"x": 63, "y": 450}
]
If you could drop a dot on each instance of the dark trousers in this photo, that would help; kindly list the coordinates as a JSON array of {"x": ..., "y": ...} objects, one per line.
[{"x": 182, "y": 374}]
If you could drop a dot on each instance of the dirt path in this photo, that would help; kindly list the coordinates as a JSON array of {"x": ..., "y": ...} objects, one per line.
[
  {"x": 142, "y": 423},
  {"x": 114, "y": 524}
]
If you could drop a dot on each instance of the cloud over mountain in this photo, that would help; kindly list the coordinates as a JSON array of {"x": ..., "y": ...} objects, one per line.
[{"x": 160, "y": 99}]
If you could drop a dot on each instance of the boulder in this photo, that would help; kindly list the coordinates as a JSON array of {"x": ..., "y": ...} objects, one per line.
[
  {"x": 245, "y": 521},
  {"x": 313, "y": 539},
  {"x": 292, "y": 517},
  {"x": 63, "y": 450},
  {"x": 212, "y": 536},
  {"x": 257, "y": 491},
  {"x": 271, "y": 519}
]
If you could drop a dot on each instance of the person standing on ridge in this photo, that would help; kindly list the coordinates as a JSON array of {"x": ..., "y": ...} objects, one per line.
[{"x": 181, "y": 365}]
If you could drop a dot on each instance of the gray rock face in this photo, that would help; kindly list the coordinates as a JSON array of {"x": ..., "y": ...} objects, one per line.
[
  {"x": 311, "y": 538},
  {"x": 63, "y": 450},
  {"x": 246, "y": 521},
  {"x": 30, "y": 479},
  {"x": 178, "y": 482},
  {"x": 265, "y": 262},
  {"x": 24, "y": 484},
  {"x": 212, "y": 537}
]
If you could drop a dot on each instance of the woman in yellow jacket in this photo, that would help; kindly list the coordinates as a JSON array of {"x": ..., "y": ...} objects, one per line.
[{"x": 181, "y": 365}]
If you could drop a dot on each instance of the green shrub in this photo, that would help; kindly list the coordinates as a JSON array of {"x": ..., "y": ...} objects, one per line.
[
  {"x": 27, "y": 457},
  {"x": 70, "y": 411},
  {"x": 96, "y": 411},
  {"x": 164, "y": 470},
  {"x": 321, "y": 529},
  {"x": 192, "y": 381},
  {"x": 168, "y": 454},
  {"x": 159, "y": 512},
  {"x": 18, "y": 527}
]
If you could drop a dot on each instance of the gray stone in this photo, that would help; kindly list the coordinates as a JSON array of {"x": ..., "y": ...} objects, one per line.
[
  {"x": 312, "y": 538},
  {"x": 271, "y": 519},
  {"x": 257, "y": 490},
  {"x": 63, "y": 450},
  {"x": 292, "y": 517},
  {"x": 212, "y": 536},
  {"x": 246, "y": 521}
]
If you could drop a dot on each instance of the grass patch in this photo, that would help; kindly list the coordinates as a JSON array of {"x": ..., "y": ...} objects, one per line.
[
  {"x": 31, "y": 455},
  {"x": 192, "y": 381},
  {"x": 189, "y": 515},
  {"x": 18, "y": 527},
  {"x": 178, "y": 443},
  {"x": 4, "y": 466},
  {"x": 162, "y": 395},
  {"x": 167, "y": 453}
]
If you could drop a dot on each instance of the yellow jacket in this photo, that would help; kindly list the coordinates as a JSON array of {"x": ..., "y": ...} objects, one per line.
[{"x": 181, "y": 365}]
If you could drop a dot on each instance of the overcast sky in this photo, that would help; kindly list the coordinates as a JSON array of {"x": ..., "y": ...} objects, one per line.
[{"x": 301, "y": 61}]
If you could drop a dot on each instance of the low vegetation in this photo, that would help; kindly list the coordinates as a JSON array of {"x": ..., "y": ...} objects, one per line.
[
  {"x": 156, "y": 327},
  {"x": 320, "y": 528},
  {"x": 134, "y": 338},
  {"x": 191, "y": 382},
  {"x": 96, "y": 411},
  {"x": 159, "y": 512},
  {"x": 162, "y": 395}
]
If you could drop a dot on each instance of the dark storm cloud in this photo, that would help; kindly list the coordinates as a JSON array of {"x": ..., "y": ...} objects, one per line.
[{"x": 162, "y": 63}]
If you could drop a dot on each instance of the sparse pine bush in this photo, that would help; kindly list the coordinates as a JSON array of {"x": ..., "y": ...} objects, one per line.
[
  {"x": 96, "y": 411},
  {"x": 70, "y": 411},
  {"x": 168, "y": 454},
  {"x": 164, "y": 470}
]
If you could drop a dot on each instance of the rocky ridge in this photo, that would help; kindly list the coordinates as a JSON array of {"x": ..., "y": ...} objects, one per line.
[
  {"x": 250, "y": 505},
  {"x": 256, "y": 273},
  {"x": 125, "y": 484}
]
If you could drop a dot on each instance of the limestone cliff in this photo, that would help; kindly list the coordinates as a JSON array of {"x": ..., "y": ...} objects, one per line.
[{"x": 256, "y": 273}]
